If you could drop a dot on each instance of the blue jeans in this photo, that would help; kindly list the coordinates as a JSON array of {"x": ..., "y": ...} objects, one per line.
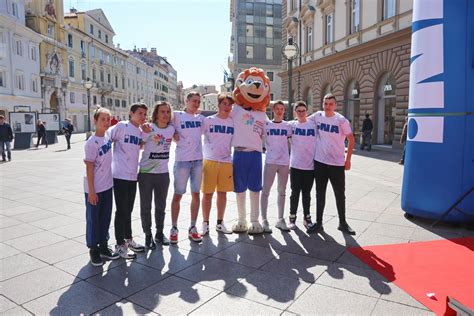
[
  {"x": 184, "y": 170},
  {"x": 98, "y": 219},
  {"x": 6, "y": 145}
]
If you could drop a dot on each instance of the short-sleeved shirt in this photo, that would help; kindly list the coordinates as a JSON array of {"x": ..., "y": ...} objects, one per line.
[
  {"x": 98, "y": 150},
  {"x": 156, "y": 151},
  {"x": 331, "y": 135},
  {"x": 303, "y": 144},
  {"x": 249, "y": 127},
  {"x": 218, "y": 135},
  {"x": 127, "y": 139},
  {"x": 189, "y": 128},
  {"x": 276, "y": 143}
]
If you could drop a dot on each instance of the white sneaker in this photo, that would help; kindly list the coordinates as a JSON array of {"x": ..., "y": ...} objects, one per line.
[
  {"x": 221, "y": 228},
  {"x": 205, "y": 229},
  {"x": 123, "y": 252},
  {"x": 134, "y": 246},
  {"x": 266, "y": 227},
  {"x": 281, "y": 224}
]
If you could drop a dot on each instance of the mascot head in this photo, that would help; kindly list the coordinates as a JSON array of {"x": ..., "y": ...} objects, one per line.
[{"x": 252, "y": 89}]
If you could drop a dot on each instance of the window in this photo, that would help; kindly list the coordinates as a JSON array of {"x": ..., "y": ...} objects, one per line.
[
  {"x": 19, "y": 47},
  {"x": 355, "y": 16},
  {"x": 106, "y": 38},
  {"x": 99, "y": 34},
  {"x": 33, "y": 52},
  {"x": 269, "y": 10},
  {"x": 83, "y": 47},
  {"x": 271, "y": 96},
  {"x": 92, "y": 51},
  {"x": 269, "y": 53},
  {"x": 388, "y": 8},
  {"x": 94, "y": 99},
  {"x": 107, "y": 58},
  {"x": 123, "y": 83},
  {"x": 270, "y": 75},
  {"x": 101, "y": 57},
  {"x": 15, "y": 9},
  {"x": 50, "y": 30},
  {"x": 249, "y": 51},
  {"x": 124, "y": 103},
  {"x": 115, "y": 60},
  {"x": 116, "y": 81},
  {"x": 309, "y": 39},
  {"x": 292, "y": 5},
  {"x": 71, "y": 68},
  {"x": 91, "y": 29},
  {"x": 109, "y": 78},
  {"x": 83, "y": 71},
  {"x": 249, "y": 8},
  {"x": 269, "y": 31},
  {"x": 249, "y": 30},
  {"x": 93, "y": 74},
  {"x": 3, "y": 79},
  {"x": 329, "y": 28},
  {"x": 34, "y": 84},
  {"x": 72, "y": 97},
  {"x": 117, "y": 103},
  {"x": 69, "y": 40},
  {"x": 20, "y": 81},
  {"x": 101, "y": 75},
  {"x": 84, "y": 98}
]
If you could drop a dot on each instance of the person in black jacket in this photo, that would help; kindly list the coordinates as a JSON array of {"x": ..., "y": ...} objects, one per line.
[
  {"x": 367, "y": 128},
  {"x": 41, "y": 129},
  {"x": 6, "y": 136},
  {"x": 68, "y": 129}
]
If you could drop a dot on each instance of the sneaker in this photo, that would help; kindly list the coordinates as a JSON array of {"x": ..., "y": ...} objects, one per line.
[
  {"x": 94, "y": 253},
  {"x": 161, "y": 239},
  {"x": 149, "y": 243},
  {"x": 222, "y": 229},
  {"x": 345, "y": 228},
  {"x": 123, "y": 252},
  {"x": 205, "y": 229},
  {"x": 134, "y": 246},
  {"x": 317, "y": 227},
  {"x": 174, "y": 235},
  {"x": 307, "y": 223},
  {"x": 266, "y": 227},
  {"x": 194, "y": 235},
  {"x": 292, "y": 224},
  {"x": 107, "y": 253},
  {"x": 281, "y": 224}
]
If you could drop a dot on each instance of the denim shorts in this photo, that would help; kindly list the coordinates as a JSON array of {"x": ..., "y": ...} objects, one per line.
[{"x": 184, "y": 170}]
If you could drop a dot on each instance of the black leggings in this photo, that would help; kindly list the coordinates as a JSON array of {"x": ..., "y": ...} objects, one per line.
[
  {"x": 335, "y": 174},
  {"x": 301, "y": 181},
  {"x": 124, "y": 193}
]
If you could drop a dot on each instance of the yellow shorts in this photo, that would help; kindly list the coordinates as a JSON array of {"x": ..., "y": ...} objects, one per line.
[{"x": 217, "y": 176}]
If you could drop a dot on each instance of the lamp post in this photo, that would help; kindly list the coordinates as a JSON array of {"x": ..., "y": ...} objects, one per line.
[
  {"x": 290, "y": 51},
  {"x": 88, "y": 85}
]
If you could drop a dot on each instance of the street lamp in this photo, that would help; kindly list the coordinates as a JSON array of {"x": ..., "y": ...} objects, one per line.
[
  {"x": 290, "y": 51},
  {"x": 88, "y": 85}
]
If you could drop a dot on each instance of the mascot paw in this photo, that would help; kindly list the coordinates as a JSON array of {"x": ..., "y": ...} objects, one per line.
[
  {"x": 240, "y": 227},
  {"x": 255, "y": 228}
]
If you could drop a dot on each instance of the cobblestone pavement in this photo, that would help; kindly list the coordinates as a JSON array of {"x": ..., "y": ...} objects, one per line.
[{"x": 45, "y": 264}]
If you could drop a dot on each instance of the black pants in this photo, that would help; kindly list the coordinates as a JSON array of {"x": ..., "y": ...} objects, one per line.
[
  {"x": 337, "y": 176},
  {"x": 153, "y": 184},
  {"x": 124, "y": 193},
  {"x": 68, "y": 140},
  {"x": 301, "y": 181},
  {"x": 42, "y": 137}
]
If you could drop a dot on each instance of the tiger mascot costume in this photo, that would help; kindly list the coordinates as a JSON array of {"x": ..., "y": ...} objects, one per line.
[{"x": 252, "y": 96}]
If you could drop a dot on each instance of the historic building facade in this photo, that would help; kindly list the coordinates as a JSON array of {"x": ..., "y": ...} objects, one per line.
[{"x": 359, "y": 50}]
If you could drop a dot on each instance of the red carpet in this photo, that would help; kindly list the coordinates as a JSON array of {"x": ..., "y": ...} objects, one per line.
[{"x": 444, "y": 267}]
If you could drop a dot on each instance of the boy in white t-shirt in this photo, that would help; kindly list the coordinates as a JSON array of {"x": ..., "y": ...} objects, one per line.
[
  {"x": 329, "y": 161},
  {"x": 188, "y": 163},
  {"x": 217, "y": 165},
  {"x": 277, "y": 161},
  {"x": 303, "y": 143},
  {"x": 127, "y": 138},
  {"x": 98, "y": 189}
]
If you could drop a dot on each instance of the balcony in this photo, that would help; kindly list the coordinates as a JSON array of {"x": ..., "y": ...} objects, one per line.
[{"x": 104, "y": 88}]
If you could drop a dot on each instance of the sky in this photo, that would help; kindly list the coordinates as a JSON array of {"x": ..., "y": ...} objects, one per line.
[{"x": 193, "y": 34}]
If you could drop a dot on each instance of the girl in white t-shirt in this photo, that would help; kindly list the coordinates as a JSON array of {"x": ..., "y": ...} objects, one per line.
[
  {"x": 98, "y": 189},
  {"x": 153, "y": 175},
  {"x": 277, "y": 161}
]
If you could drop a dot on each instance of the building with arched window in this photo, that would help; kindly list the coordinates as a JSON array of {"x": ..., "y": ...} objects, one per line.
[{"x": 358, "y": 50}]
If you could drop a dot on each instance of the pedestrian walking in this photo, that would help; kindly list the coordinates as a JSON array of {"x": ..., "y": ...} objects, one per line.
[
  {"x": 153, "y": 174},
  {"x": 217, "y": 171},
  {"x": 68, "y": 128},
  {"x": 98, "y": 189},
  {"x": 329, "y": 161},
  {"x": 367, "y": 127},
  {"x": 41, "y": 130},
  {"x": 403, "y": 140},
  {"x": 277, "y": 162},
  {"x": 6, "y": 137}
]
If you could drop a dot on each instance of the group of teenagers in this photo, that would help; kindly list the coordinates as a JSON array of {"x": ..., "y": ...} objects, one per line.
[{"x": 309, "y": 149}]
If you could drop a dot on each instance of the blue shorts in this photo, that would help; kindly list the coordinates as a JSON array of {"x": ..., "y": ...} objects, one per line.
[
  {"x": 184, "y": 170},
  {"x": 247, "y": 171}
]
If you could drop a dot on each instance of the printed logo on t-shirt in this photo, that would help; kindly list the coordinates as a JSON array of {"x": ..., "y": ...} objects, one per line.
[
  {"x": 190, "y": 124},
  {"x": 328, "y": 128},
  {"x": 105, "y": 148},
  {"x": 161, "y": 140},
  {"x": 131, "y": 139},
  {"x": 304, "y": 132},
  {"x": 221, "y": 129},
  {"x": 277, "y": 132},
  {"x": 248, "y": 119}
]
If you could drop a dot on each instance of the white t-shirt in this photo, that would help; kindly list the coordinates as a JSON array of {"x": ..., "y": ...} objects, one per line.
[
  {"x": 276, "y": 142},
  {"x": 98, "y": 150},
  {"x": 332, "y": 132},
  {"x": 217, "y": 138},
  {"x": 156, "y": 152},
  {"x": 189, "y": 128},
  {"x": 303, "y": 144},
  {"x": 126, "y": 138},
  {"x": 248, "y": 127}
]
